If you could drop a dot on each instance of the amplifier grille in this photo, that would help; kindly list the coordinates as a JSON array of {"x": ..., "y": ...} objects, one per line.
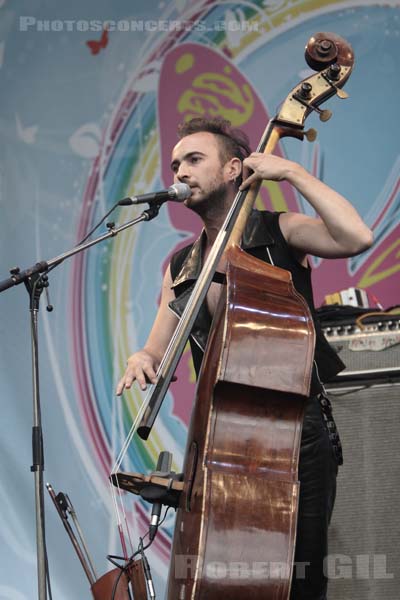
[{"x": 364, "y": 537}]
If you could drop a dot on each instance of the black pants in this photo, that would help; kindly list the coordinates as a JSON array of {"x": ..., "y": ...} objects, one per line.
[{"x": 317, "y": 474}]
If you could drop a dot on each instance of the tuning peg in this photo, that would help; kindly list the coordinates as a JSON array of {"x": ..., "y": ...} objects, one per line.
[
  {"x": 311, "y": 135},
  {"x": 341, "y": 93},
  {"x": 324, "y": 115},
  {"x": 328, "y": 78}
]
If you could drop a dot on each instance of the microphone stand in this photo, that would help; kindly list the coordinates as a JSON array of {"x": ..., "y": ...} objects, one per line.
[{"x": 35, "y": 283}]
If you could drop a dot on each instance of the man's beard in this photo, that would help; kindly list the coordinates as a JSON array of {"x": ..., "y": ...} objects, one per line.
[{"x": 213, "y": 204}]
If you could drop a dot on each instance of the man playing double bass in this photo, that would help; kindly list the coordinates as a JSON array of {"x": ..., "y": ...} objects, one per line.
[{"x": 215, "y": 161}]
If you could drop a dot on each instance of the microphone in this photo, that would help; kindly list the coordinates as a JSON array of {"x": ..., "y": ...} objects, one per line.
[
  {"x": 163, "y": 468},
  {"x": 177, "y": 193}
]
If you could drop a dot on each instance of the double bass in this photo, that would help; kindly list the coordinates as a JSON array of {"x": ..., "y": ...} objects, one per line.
[{"x": 235, "y": 528}]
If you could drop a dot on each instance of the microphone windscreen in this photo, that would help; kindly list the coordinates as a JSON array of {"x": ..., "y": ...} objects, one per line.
[{"x": 180, "y": 191}]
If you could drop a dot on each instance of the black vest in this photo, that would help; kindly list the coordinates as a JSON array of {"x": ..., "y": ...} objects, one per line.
[{"x": 262, "y": 234}]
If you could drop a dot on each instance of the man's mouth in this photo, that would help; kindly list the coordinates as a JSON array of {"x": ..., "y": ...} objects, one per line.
[{"x": 192, "y": 189}]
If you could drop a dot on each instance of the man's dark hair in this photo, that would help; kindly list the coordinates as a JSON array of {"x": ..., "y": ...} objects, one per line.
[{"x": 232, "y": 142}]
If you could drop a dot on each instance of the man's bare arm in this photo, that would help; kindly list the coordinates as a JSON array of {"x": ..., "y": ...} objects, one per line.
[
  {"x": 142, "y": 365},
  {"x": 338, "y": 232}
]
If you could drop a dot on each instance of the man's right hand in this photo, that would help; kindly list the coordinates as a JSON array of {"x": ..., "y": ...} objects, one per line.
[{"x": 141, "y": 366}]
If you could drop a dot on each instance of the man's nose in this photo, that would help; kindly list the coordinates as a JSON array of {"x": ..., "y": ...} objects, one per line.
[{"x": 182, "y": 173}]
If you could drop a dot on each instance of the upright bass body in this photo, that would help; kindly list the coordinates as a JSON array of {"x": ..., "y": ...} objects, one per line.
[{"x": 236, "y": 524}]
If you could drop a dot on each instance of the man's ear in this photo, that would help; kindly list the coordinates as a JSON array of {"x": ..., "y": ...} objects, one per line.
[{"x": 234, "y": 168}]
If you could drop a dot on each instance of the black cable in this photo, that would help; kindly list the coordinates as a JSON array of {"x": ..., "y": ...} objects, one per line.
[
  {"x": 123, "y": 569},
  {"x": 110, "y": 557},
  {"x": 126, "y": 566},
  {"x": 98, "y": 224},
  {"x": 40, "y": 278},
  {"x": 350, "y": 391},
  {"x": 116, "y": 582},
  {"x": 165, "y": 516}
]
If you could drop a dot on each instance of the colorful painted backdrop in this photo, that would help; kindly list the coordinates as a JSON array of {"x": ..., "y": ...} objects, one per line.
[{"x": 91, "y": 94}]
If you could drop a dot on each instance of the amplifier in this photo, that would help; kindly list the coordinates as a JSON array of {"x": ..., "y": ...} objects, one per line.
[
  {"x": 369, "y": 353},
  {"x": 365, "y": 524}
]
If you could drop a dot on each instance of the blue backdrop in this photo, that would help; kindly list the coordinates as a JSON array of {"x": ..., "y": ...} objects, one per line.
[{"x": 81, "y": 122}]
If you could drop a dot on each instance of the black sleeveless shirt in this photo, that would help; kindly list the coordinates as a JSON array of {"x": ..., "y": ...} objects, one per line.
[{"x": 263, "y": 239}]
